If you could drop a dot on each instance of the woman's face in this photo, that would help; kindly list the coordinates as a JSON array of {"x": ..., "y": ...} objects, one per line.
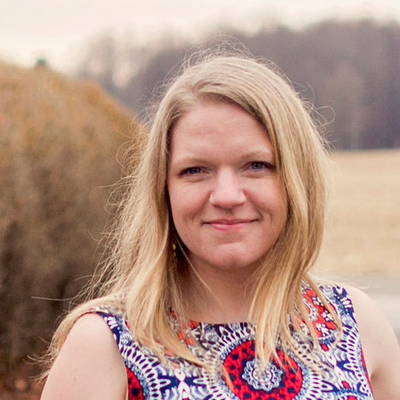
[{"x": 227, "y": 204}]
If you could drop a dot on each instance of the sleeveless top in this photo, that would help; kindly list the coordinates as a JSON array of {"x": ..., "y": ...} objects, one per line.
[{"x": 231, "y": 347}]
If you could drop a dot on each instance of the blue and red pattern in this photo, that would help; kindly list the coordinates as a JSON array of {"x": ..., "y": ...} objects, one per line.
[{"x": 231, "y": 348}]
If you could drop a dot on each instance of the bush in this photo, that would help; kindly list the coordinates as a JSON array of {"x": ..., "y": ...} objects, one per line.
[{"x": 59, "y": 141}]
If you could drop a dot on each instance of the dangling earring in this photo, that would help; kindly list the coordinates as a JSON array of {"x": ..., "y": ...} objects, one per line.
[{"x": 174, "y": 252}]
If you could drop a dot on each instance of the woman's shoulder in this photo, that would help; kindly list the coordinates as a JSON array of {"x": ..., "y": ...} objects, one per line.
[
  {"x": 90, "y": 327},
  {"x": 115, "y": 319},
  {"x": 380, "y": 346},
  {"x": 89, "y": 346},
  {"x": 361, "y": 315}
]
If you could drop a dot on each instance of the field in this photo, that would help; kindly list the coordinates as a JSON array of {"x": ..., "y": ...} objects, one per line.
[{"x": 363, "y": 226}]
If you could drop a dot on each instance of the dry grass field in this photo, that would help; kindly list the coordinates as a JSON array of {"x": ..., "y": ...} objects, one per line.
[{"x": 363, "y": 227}]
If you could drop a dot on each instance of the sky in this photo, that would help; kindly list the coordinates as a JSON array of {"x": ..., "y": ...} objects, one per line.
[{"x": 61, "y": 31}]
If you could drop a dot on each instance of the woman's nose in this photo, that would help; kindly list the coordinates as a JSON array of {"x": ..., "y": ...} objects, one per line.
[{"x": 227, "y": 191}]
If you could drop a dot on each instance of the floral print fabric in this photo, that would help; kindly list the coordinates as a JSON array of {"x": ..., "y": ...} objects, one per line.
[{"x": 230, "y": 348}]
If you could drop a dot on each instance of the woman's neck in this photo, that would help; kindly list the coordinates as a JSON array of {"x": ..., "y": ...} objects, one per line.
[{"x": 218, "y": 297}]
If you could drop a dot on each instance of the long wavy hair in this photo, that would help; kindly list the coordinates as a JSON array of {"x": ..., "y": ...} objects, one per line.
[{"x": 144, "y": 277}]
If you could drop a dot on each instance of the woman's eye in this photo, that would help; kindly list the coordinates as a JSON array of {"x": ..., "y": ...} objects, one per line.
[
  {"x": 261, "y": 165},
  {"x": 192, "y": 171}
]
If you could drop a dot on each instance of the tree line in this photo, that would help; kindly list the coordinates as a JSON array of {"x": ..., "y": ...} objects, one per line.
[{"x": 348, "y": 70}]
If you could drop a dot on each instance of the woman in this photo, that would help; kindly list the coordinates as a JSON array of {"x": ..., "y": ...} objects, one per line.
[{"x": 209, "y": 294}]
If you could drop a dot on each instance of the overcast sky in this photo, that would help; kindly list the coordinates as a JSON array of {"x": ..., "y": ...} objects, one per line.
[{"x": 60, "y": 30}]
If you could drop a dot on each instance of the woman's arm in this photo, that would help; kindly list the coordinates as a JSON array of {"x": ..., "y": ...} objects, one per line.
[
  {"x": 380, "y": 345},
  {"x": 89, "y": 366}
]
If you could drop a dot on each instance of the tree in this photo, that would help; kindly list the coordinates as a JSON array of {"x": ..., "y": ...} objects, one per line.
[{"x": 347, "y": 69}]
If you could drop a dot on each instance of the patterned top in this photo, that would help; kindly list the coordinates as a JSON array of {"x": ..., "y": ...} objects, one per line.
[{"x": 231, "y": 347}]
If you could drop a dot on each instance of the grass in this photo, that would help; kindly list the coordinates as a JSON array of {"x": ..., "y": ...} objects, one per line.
[{"x": 363, "y": 227}]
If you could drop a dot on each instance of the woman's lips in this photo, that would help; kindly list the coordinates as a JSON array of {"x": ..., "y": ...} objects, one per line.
[{"x": 230, "y": 225}]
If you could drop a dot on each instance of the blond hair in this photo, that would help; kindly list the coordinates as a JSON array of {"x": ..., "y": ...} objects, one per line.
[{"x": 144, "y": 279}]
